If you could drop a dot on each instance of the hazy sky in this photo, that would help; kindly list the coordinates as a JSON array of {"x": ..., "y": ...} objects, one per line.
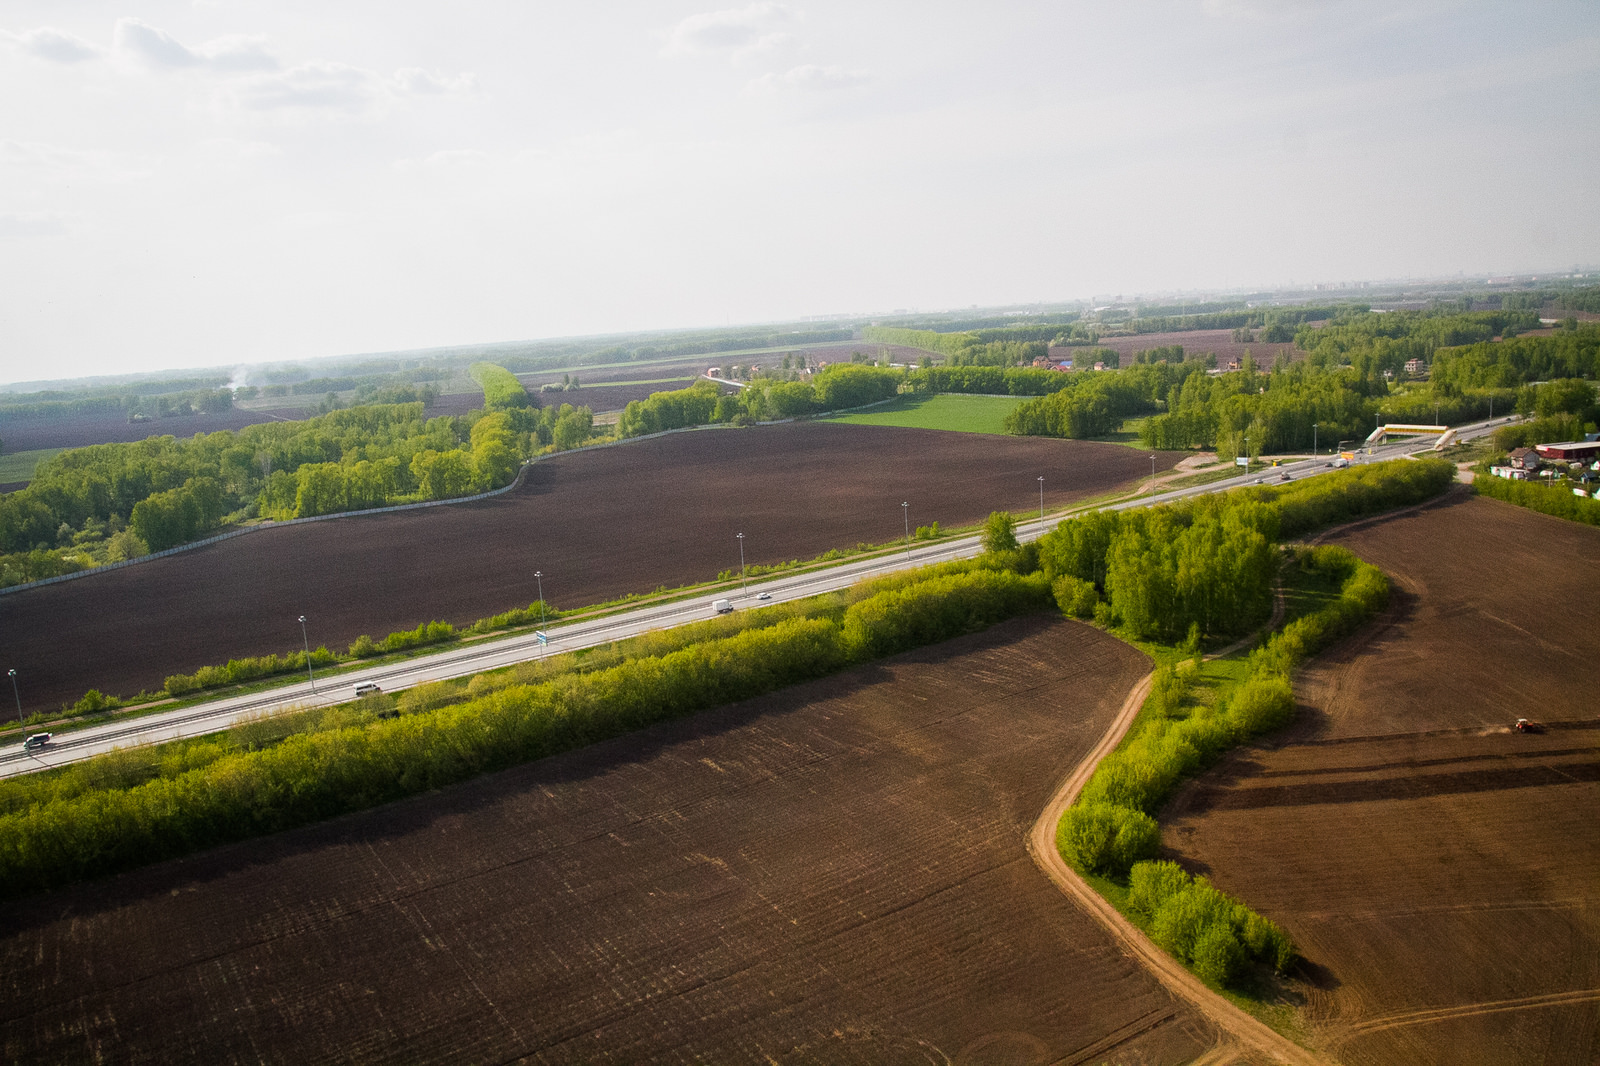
[{"x": 199, "y": 183}]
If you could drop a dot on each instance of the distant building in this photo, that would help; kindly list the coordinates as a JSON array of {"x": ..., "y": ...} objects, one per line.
[
  {"x": 1572, "y": 452},
  {"x": 713, "y": 371},
  {"x": 1416, "y": 368},
  {"x": 1524, "y": 459}
]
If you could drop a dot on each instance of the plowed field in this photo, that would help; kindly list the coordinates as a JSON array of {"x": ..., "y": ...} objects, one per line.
[
  {"x": 1441, "y": 872},
  {"x": 29, "y": 434},
  {"x": 831, "y": 874},
  {"x": 599, "y": 524},
  {"x": 1219, "y": 342}
]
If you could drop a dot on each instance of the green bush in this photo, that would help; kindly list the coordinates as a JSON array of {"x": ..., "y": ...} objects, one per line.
[
  {"x": 1203, "y": 926},
  {"x": 1260, "y": 705},
  {"x": 1076, "y": 598},
  {"x": 1150, "y": 884},
  {"x": 1218, "y": 955},
  {"x": 1106, "y": 838},
  {"x": 501, "y": 389},
  {"x": 938, "y": 609}
]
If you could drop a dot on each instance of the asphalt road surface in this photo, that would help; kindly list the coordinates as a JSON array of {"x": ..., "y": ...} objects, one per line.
[{"x": 464, "y": 661}]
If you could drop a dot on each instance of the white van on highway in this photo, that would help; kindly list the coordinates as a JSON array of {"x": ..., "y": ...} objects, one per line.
[
  {"x": 367, "y": 688},
  {"x": 37, "y": 741}
]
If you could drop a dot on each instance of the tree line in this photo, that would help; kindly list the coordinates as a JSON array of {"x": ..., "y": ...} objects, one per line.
[
  {"x": 87, "y": 506},
  {"x": 132, "y": 810}
]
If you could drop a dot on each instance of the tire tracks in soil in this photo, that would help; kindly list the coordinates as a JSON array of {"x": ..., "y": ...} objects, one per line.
[{"x": 1469, "y": 1010}]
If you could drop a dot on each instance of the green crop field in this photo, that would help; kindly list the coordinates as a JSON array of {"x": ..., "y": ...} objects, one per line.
[
  {"x": 18, "y": 466},
  {"x": 964, "y": 414}
]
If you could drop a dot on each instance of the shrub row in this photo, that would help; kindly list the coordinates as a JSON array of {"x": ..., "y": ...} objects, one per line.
[
  {"x": 252, "y": 668},
  {"x": 1196, "y": 922},
  {"x": 314, "y": 775},
  {"x": 1112, "y": 829},
  {"x": 1546, "y": 499},
  {"x": 501, "y": 389},
  {"x": 1357, "y": 492},
  {"x": 1363, "y": 594}
]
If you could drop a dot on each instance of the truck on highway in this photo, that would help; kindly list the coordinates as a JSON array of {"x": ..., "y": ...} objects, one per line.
[
  {"x": 35, "y": 742},
  {"x": 722, "y": 606}
]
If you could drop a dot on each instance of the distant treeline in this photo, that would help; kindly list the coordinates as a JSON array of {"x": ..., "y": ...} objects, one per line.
[
  {"x": 1273, "y": 319},
  {"x": 135, "y": 405},
  {"x": 88, "y": 506},
  {"x": 707, "y": 343}
]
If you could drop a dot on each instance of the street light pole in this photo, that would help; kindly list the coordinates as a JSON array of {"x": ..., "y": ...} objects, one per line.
[
  {"x": 743, "y": 585},
  {"x": 17, "y": 694},
  {"x": 1152, "y": 475},
  {"x": 1313, "y": 440},
  {"x": 307, "y": 642},
  {"x": 905, "y": 513},
  {"x": 538, "y": 575},
  {"x": 1041, "y": 501}
]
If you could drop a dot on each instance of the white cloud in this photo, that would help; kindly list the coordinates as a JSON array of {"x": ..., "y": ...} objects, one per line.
[
  {"x": 337, "y": 88},
  {"x": 153, "y": 47},
  {"x": 446, "y": 160},
  {"x": 811, "y": 78},
  {"x": 57, "y": 46},
  {"x": 54, "y": 163},
  {"x": 418, "y": 82},
  {"x": 735, "y": 32},
  {"x": 15, "y": 225},
  {"x": 313, "y": 86}
]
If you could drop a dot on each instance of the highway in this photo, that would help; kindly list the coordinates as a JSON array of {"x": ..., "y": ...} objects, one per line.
[{"x": 478, "y": 656}]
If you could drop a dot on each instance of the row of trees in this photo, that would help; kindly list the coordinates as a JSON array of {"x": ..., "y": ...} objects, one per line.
[
  {"x": 1111, "y": 829},
  {"x": 834, "y": 388},
  {"x": 1160, "y": 572},
  {"x": 167, "y": 491},
  {"x": 262, "y": 781},
  {"x": 1092, "y": 405},
  {"x": 501, "y": 389}
]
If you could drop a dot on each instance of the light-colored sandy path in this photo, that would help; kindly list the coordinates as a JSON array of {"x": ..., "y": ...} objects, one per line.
[{"x": 1250, "y": 1034}]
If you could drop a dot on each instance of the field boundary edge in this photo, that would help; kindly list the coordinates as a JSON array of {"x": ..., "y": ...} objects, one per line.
[{"x": 1041, "y": 844}]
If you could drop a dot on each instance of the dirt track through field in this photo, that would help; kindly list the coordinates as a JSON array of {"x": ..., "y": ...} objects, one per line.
[
  {"x": 832, "y": 874},
  {"x": 599, "y": 524},
  {"x": 1440, "y": 871}
]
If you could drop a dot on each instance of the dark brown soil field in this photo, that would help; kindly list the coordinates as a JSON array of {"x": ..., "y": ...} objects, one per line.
[
  {"x": 599, "y": 524},
  {"x": 30, "y": 434},
  {"x": 1441, "y": 872},
  {"x": 832, "y": 874}
]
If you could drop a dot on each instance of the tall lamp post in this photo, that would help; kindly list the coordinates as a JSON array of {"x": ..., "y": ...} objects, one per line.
[
  {"x": 1313, "y": 440},
  {"x": 743, "y": 585},
  {"x": 307, "y": 642},
  {"x": 16, "y": 693},
  {"x": 905, "y": 513},
  {"x": 538, "y": 575},
  {"x": 1041, "y": 501},
  {"x": 1152, "y": 475},
  {"x": 1247, "y": 455}
]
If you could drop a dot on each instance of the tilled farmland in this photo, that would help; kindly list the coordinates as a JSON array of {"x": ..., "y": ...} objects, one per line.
[
  {"x": 599, "y": 524},
  {"x": 1440, "y": 871},
  {"x": 831, "y": 874}
]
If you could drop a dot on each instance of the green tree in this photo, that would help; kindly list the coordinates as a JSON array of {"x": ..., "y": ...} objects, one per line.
[{"x": 1000, "y": 532}]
